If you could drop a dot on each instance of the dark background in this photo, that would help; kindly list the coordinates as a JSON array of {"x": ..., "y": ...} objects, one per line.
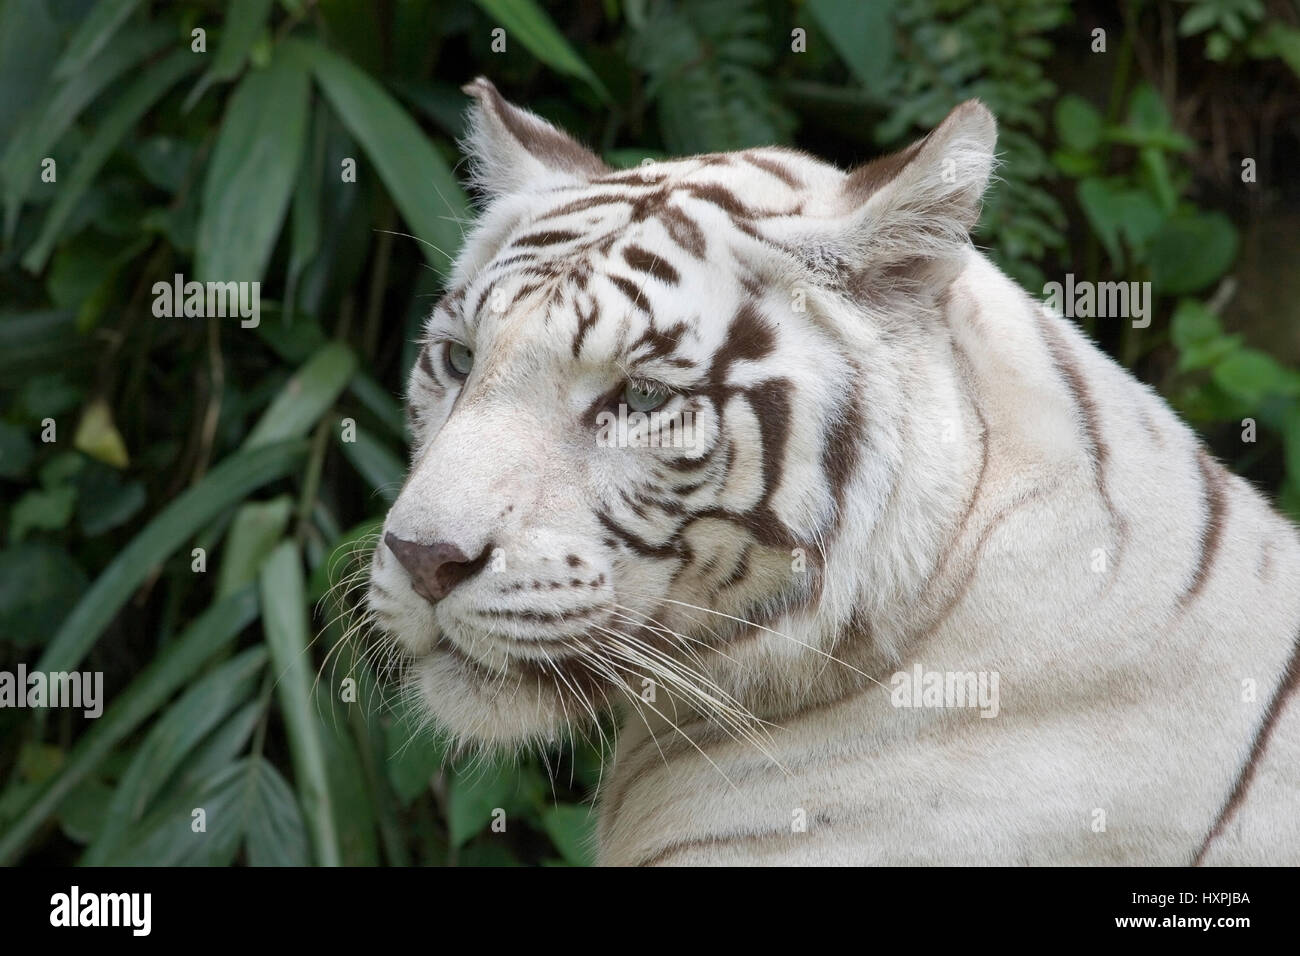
[{"x": 176, "y": 434}]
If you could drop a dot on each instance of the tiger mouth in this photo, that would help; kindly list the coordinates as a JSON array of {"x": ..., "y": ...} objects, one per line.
[
  {"x": 571, "y": 671},
  {"x": 511, "y": 656}
]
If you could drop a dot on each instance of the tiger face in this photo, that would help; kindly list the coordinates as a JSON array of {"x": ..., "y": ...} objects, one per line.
[{"x": 642, "y": 425}]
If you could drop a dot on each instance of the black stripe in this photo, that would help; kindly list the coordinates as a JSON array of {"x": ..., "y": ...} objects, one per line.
[{"x": 1286, "y": 686}]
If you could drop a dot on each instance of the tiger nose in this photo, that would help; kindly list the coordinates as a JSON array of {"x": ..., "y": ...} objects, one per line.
[{"x": 435, "y": 569}]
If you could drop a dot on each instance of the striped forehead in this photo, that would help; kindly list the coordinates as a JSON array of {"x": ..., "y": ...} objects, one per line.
[
  {"x": 602, "y": 293},
  {"x": 687, "y": 210},
  {"x": 624, "y": 304},
  {"x": 639, "y": 265}
]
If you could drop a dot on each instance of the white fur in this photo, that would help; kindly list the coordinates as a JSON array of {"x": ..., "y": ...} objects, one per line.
[{"x": 1121, "y": 698}]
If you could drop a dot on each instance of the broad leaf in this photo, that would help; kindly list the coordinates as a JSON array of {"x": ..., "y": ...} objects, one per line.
[
  {"x": 251, "y": 174},
  {"x": 223, "y": 486},
  {"x": 170, "y": 741},
  {"x": 118, "y": 119},
  {"x": 287, "y": 636},
  {"x": 528, "y": 23},
  {"x": 306, "y": 396},
  {"x": 177, "y": 663},
  {"x": 420, "y": 182}
]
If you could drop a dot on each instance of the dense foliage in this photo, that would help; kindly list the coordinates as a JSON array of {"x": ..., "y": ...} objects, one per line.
[{"x": 180, "y": 494}]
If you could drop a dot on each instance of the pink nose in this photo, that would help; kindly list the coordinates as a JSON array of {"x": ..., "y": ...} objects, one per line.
[{"x": 434, "y": 568}]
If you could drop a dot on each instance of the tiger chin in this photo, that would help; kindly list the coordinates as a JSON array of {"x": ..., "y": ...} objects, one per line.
[{"x": 727, "y": 449}]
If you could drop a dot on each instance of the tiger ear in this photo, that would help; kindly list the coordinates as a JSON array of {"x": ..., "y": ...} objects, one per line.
[
  {"x": 909, "y": 213},
  {"x": 511, "y": 149}
]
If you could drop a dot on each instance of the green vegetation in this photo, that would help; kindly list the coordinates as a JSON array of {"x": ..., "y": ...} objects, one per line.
[{"x": 197, "y": 502}]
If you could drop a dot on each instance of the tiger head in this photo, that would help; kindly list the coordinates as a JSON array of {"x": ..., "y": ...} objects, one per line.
[{"x": 658, "y": 424}]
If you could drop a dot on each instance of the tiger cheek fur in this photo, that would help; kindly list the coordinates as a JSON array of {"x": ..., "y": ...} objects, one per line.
[{"x": 868, "y": 451}]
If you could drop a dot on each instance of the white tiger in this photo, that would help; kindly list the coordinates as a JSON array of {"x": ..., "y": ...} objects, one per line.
[{"x": 896, "y": 465}]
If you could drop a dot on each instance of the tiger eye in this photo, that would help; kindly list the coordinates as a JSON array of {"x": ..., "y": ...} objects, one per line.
[
  {"x": 460, "y": 359},
  {"x": 642, "y": 399}
]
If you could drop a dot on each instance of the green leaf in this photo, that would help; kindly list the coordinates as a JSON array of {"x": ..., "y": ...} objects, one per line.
[
  {"x": 356, "y": 31},
  {"x": 173, "y": 737},
  {"x": 61, "y": 468},
  {"x": 1149, "y": 124},
  {"x": 294, "y": 341},
  {"x": 421, "y": 184},
  {"x": 276, "y": 834},
  {"x": 116, "y": 122},
  {"x": 224, "y": 745},
  {"x": 472, "y": 797},
  {"x": 39, "y": 762},
  {"x": 285, "y": 625},
  {"x": 305, "y": 216},
  {"x": 78, "y": 267},
  {"x": 1197, "y": 19},
  {"x": 1192, "y": 250},
  {"x": 245, "y": 21},
  {"x": 16, "y": 451},
  {"x": 1142, "y": 220},
  {"x": 106, "y": 500},
  {"x": 382, "y": 469},
  {"x": 1155, "y": 169},
  {"x": 211, "y": 632},
  {"x": 167, "y": 836},
  {"x": 1253, "y": 376},
  {"x": 526, "y": 22},
  {"x": 42, "y": 509},
  {"x": 251, "y": 174},
  {"x": 354, "y": 811},
  {"x": 572, "y": 828},
  {"x": 1282, "y": 41},
  {"x": 861, "y": 33},
  {"x": 98, "y": 437},
  {"x": 1076, "y": 165},
  {"x": 1194, "y": 324},
  {"x": 39, "y": 582},
  {"x": 1146, "y": 111},
  {"x": 1103, "y": 204},
  {"x": 488, "y": 853},
  {"x": 46, "y": 123},
  {"x": 246, "y": 800},
  {"x": 413, "y": 754},
  {"x": 709, "y": 75},
  {"x": 1288, "y": 501},
  {"x": 1078, "y": 123},
  {"x": 44, "y": 394},
  {"x": 223, "y": 486},
  {"x": 306, "y": 396},
  {"x": 81, "y": 815},
  {"x": 256, "y": 529},
  {"x": 94, "y": 33},
  {"x": 1291, "y": 444},
  {"x": 30, "y": 38},
  {"x": 379, "y": 402},
  {"x": 1209, "y": 353},
  {"x": 103, "y": 284},
  {"x": 1219, "y": 45},
  {"x": 165, "y": 161}
]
